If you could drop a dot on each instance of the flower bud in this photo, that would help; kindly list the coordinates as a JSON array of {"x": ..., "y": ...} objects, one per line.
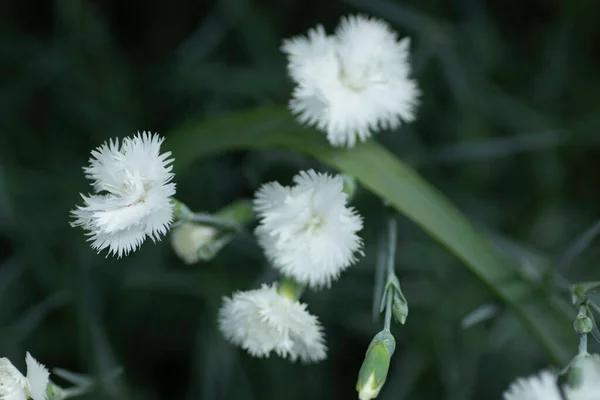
[
  {"x": 399, "y": 303},
  {"x": 193, "y": 242},
  {"x": 583, "y": 324},
  {"x": 581, "y": 291},
  {"x": 374, "y": 369},
  {"x": 400, "y": 308}
]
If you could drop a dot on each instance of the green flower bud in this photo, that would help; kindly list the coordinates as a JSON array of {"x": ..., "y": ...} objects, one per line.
[
  {"x": 583, "y": 324},
  {"x": 374, "y": 369},
  {"x": 400, "y": 308},
  {"x": 580, "y": 292},
  {"x": 399, "y": 303},
  {"x": 195, "y": 242}
]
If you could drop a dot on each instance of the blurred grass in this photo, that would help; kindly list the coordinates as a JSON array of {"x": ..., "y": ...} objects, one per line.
[{"x": 508, "y": 130}]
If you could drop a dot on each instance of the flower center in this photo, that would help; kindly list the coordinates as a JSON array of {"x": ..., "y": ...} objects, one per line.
[
  {"x": 138, "y": 193},
  {"x": 358, "y": 77},
  {"x": 316, "y": 222},
  {"x": 356, "y": 81}
]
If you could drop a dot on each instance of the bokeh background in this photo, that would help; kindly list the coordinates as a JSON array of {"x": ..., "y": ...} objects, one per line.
[{"x": 508, "y": 130}]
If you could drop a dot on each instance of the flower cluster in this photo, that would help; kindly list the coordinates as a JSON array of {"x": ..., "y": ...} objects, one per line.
[
  {"x": 310, "y": 235},
  {"x": 133, "y": 190},
  {"x": 15, "y": 386},
  {"x": 348, "y": 85},
  {"x": 354, "y": 82},
  {"x": 544, "y": 386}
]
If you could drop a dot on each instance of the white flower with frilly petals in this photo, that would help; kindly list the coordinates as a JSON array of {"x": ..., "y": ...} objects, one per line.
[
  {"x": 15, "y": 386},
  {"x": 133, "y": 194},
  {"x": 537, "y": 387},
  {"x": 352, "y": 83},
  {"x": 589, "y": 387},
  {"x": 262, "y": 321},
  {"x": 307, "y": 231}
]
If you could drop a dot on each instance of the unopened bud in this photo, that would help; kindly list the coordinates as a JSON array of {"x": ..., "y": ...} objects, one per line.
[
  {"x": 193, "y": 242},
  {"x": 374, "y": 369},
  {"x": 581, "y": 291},
  {"x": 583, "y": 324},
  {"x": 400, "y": 309},
  {"x": 399, "y": 303}
]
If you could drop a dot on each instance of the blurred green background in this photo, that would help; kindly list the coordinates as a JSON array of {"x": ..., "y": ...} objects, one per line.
[{"x": 508, "y": 130}]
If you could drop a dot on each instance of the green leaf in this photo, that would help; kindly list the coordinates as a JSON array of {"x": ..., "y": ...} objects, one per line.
[{"x": 382, "y": 173}]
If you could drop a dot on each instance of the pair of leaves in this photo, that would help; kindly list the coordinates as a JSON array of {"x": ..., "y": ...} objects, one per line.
[{"x": 398, "y": 185}]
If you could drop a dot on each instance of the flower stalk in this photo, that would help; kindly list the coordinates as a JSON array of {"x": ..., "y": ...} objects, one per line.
[{"x": 374, "y": 370}]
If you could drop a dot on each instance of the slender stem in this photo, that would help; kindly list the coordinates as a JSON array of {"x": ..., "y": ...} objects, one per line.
[
  {"x": 392, "y": 240},
  {"x": 213, "y": 221},
  {"x": 388, "y": 309},
  {"x": 380, "y": 273},
  {"x": 391, "y": 262},
  {"x": 583, "y": 343},
  {"x": 594, "y": 307}
]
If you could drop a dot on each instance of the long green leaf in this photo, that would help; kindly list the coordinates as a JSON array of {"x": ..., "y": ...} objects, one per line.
[{"x": 383, "y": 174}]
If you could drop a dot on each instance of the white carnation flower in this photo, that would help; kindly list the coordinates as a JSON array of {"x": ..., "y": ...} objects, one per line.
[
  {"x": 133, "y": 194},
  {"x": 15, "y": 386},
  {"x": 307, "y": 231},
  {"x": 262, "y": 321},
  {"x": 353, "y": 83},
  {"x": 537, "y": 387},
  {"x": 589, "y": 387}
]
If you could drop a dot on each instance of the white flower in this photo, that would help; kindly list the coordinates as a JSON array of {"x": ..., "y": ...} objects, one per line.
[
  {"x": 307, "y": 231},
  {"x": 537, "y": 387},
  {"x": 353, "y": 83},
  {"x": 133, "y": 194},
  {"x": 589, "y": 387},
  {"x": 262, "y": 321},
  {"x": 15, "y": 386}
]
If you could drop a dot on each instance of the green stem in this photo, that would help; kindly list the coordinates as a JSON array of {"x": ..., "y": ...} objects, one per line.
[
  {"x": 583, "y": 343},
  {"x": 379, "y": 288},
  {"x": 392, "y": 240},
  {"x": 388, "y": 309},
  {"x": 213, "y": 221},
  {"x": 183, "y": 214},
  {"x": 391, "y": 262}
]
